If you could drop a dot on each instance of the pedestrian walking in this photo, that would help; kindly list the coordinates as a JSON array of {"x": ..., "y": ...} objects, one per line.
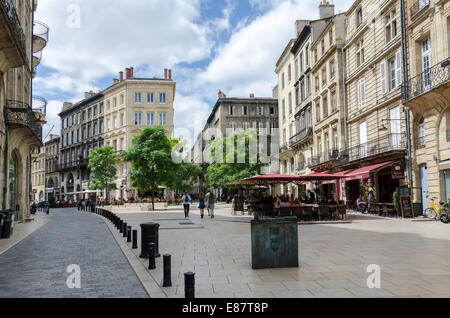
[
  {"x": 207, "y": 202},
  {"x": 83, "y": 205},
  {"x": 186, "y": 204},
  {"x": 211, "y": 203},
  {"x": 201, "y": 205}
]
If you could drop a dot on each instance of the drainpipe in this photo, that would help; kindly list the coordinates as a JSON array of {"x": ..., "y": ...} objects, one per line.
[
  {"x": 405, "y": 88},
  {"x": 6, "y": 148}
]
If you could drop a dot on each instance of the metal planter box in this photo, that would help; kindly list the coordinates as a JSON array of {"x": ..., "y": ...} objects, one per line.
[{"x": 274, "y": 243}]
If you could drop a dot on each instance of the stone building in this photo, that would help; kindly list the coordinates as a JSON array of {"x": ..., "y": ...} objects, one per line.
[
  {"x": 81, "y": 131},
  {"x": 21, "y": 118},
  {"x": 427, "y": 95},
  {"x": 52, "y": 177},
  {"x": 38, "y": 174},
  {"x": 132, "y": 104}
]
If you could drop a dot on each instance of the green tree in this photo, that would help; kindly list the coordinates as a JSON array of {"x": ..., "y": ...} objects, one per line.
[
  {"x": 103, "y": 171},
  {"x": 151, "y": 160},
  {"x": 233, "y": 158}
]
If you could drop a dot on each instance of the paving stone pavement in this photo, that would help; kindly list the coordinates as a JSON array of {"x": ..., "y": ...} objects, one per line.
[{"x": 36, "y": 267}]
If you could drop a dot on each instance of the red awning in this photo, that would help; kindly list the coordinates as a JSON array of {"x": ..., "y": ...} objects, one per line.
[
  {"x": 364, "y": 173},
  {"x": 338, "y": 175}
]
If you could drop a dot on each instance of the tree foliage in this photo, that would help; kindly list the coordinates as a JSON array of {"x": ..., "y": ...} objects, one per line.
[
  {"x": 102, "y": 166},
  {"x": 233, "y": 158}
]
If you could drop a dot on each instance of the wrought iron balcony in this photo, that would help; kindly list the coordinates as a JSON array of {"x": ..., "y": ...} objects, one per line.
[
  {"x": 12, "y": 32},
  {"x": 326, "y": 156},
  {"x": 418, "y": 6},
  {"x": 72, "y": 164},
  {"x": 20, "y": 114},
  {"x": 37, "y": 57},
  {"x": 301, "y": 135},
  {"x": 40, "y": 36},
  {"x": 431, "y": 78},
  {"x": 377, "y": 146}
]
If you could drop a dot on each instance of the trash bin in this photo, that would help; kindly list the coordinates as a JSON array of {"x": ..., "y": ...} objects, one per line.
[
  {"x": 2, "y": 216},
  {"x": 149, "y": 234},
  {"x": 274, "y": 243},
  {"x": 8, "y": 224}
]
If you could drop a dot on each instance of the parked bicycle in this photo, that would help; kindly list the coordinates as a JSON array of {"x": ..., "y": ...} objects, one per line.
[{"x": 435, "y": 212}]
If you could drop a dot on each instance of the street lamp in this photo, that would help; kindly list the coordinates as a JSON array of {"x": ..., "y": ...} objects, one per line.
[{"x": 408, "y": 144}]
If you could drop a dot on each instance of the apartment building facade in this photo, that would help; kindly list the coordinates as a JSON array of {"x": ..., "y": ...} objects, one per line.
[
  {"x": 81, "y": 131},
  {"x": 52, "y": 177},
  {"x": 132, "y": 104},
  {"x": 22, "y": 40},
  {"x": 38, "y": 174},
  {"x": 427, "y": 95}
]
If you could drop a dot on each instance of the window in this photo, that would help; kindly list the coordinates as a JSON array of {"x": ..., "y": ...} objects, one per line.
[
  {"x": 282, "y": 81},
  {"x": 114, "y": 101},
  {"x": 302, "y": 91},
  {"x": 283, "y": 109},
  {"x": 272, "y": 110},
  {"x": 308, "y": 85},
  {"x": 324, "y": 77},
  {"x": 317, "y": 112},
  {"x": 122, "y": 144},
  {"x": 363, "y": 139},
  {"x": 359, "y": 17},
  {"x": 322, "y": 45},
  {"x": 149, "y": 97},
  {"x": 315, "y": 55},
  {"x": 122, "y": 99},
  {"x": 115, "y": 124},
  {"x": 89, "y": 113},
  {"x": 95, "y": 128},
  {"x": 296, "y": 68},
  {"x": 301, "y": 62},
  {"x": 231, "y": 110},
  {"x": 108, "y": 105},
  {"x": 290, "y": 103},
  {"x": 333, "y": 101},
  {"x": 359, "y": 53},
  {"x": 391, "y": 73},
  {"x": 150, "y": 119},
  {"x": 317, "y": 84},
  {"x": 421, "y": 133},
  {"x": 330, "y": 37},
  {"x": 391, "y": 25},
  {"x": 319, "y": 145},
  {"x": 101, "y": 127},
  {"x": 137, "y": 97},
  {"x": 138, "y": 118},
  {"x": 89, "y": 131},
  {"x": 162, "y": 98},
  {"x": 95, "y": 110},
  {"x": 325, "y": 106},
  {"x": 289, "y": 73},
  {"x": 361, "y": 92},
  {"x": 245, "y": 110},
  {"x": 335, "y": 139},
  {"x": 260, "y": 111},
  {"x": 332, "y": 69},
  {"x": 306, "y": 55},
  {"x": 101, "y": 108},
  {"x": 83, "y": 115},
  {"x": 122, "y": 119},
  {"x": 163, "y": 119},
  {"x": 426, "y": 63},
  {"x": 115, "y": 145}
]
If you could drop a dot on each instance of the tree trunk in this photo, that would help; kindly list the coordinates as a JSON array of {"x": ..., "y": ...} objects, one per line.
[{"x": 153, "y": 197}]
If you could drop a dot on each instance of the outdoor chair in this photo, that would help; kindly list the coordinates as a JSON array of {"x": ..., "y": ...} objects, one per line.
[
  {"x": 307, "y": 213},
  {"x": 385, "y": 210},
  {"x": 323, "y": 212},
  {"x": 285, "y": 211},
  {"x": 377, "y": 209},
  {"x": 297, "y": 211},
  {"x": 342, "y": 211}
]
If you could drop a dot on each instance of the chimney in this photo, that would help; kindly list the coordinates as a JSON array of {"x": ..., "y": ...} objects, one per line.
[
  {"x": 165, "y": 73},
  {"x": 115, "y": 81},
  {"x": 121, "y": 76},
  {"x": 221, "y": 94},
  {"x": 252, "y": 95},
  {"x": 88, "y": 94},
  {"x": 326, "y": 9},
  {"x": 127, "y": 73},
  {"x": 170, "y": 74},
  {"x": 131, "y": 72}
]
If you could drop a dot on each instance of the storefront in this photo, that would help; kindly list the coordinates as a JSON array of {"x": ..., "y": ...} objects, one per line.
[{"x": 447, "y": 185}]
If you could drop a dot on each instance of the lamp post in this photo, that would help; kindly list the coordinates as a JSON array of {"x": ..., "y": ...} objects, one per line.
[{"x": 408, "y": 145}]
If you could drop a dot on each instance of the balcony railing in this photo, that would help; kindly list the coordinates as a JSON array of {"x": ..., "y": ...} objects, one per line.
[
  {"x": 418, "y": 6},
  {"x": 21, "y": 114},
  {"x": 40, "y": 36},
  {"x": 326, "y": 156},
  {"x": 302, "y": 134},
  {"x": 431, "y": 78},
  {"x": 377, "y": 146},
  {"x": 72, "y": 164},
  {"x": 9, "y": 11}
]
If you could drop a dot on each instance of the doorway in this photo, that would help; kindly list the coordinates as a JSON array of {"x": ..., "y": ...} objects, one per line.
[{"x": 424, "y": 185}]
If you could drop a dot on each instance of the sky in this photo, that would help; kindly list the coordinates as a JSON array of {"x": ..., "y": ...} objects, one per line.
[{"x": 231, "y": 45}]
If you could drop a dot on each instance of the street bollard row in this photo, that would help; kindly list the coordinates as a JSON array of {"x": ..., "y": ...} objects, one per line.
[{"x": 152, "y": 252}]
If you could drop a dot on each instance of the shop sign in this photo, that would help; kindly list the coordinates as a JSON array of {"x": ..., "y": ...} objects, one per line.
[
  {"x": 34, "y": 191},
  {"x": 397, "y": 171}
]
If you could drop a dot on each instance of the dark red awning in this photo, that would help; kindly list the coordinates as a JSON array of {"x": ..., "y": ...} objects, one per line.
[{"x": 364, "y": 173}]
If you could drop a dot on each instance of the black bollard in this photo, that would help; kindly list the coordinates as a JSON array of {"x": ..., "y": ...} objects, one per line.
[
  {"x": 121, "y": 226},
  {"x": 129, "y": 234},
  {"x": 135, "y": 245},
  {"x": 149, "y": 234},
  {"x": 125, "y": 228},
  {"x": 167, "y": 271},
  {"x": 151, "y": 256},
  {"x": 189, "y": 285}
]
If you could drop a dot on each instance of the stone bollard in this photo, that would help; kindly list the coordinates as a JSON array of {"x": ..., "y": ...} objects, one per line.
[
  {"x": 129, "y": 234},
  {"x": 189, "y": 285},
  {"x": 135, "y": 244},
  {"x": 149, "y": 234},
  {"x": 167, "y": 271},
  {"x": 151, "y": 256},
  {"x": 124, "y": 229}
]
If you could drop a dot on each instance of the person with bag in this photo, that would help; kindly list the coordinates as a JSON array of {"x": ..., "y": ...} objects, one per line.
[
  {"x": 201, "y": 205},
  {"x": 211, "y": 203},
  {"x": 186, "y": 204}
]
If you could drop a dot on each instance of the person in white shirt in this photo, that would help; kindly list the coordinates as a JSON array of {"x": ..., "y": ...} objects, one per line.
[{"x": 186, "y": 204}]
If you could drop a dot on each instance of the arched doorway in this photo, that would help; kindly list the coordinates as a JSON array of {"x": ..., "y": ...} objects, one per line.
[{"x": 14, "y": 180}]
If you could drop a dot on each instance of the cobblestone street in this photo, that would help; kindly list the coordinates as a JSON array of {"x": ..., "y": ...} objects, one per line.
[{"x": 36, "y": 267}]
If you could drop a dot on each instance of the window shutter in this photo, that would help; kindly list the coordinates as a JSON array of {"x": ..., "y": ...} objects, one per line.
[
  {"x": 384, "y": 83},
  {"x": 362, "y": 86},
  {"x": 398, "y": 67}
]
